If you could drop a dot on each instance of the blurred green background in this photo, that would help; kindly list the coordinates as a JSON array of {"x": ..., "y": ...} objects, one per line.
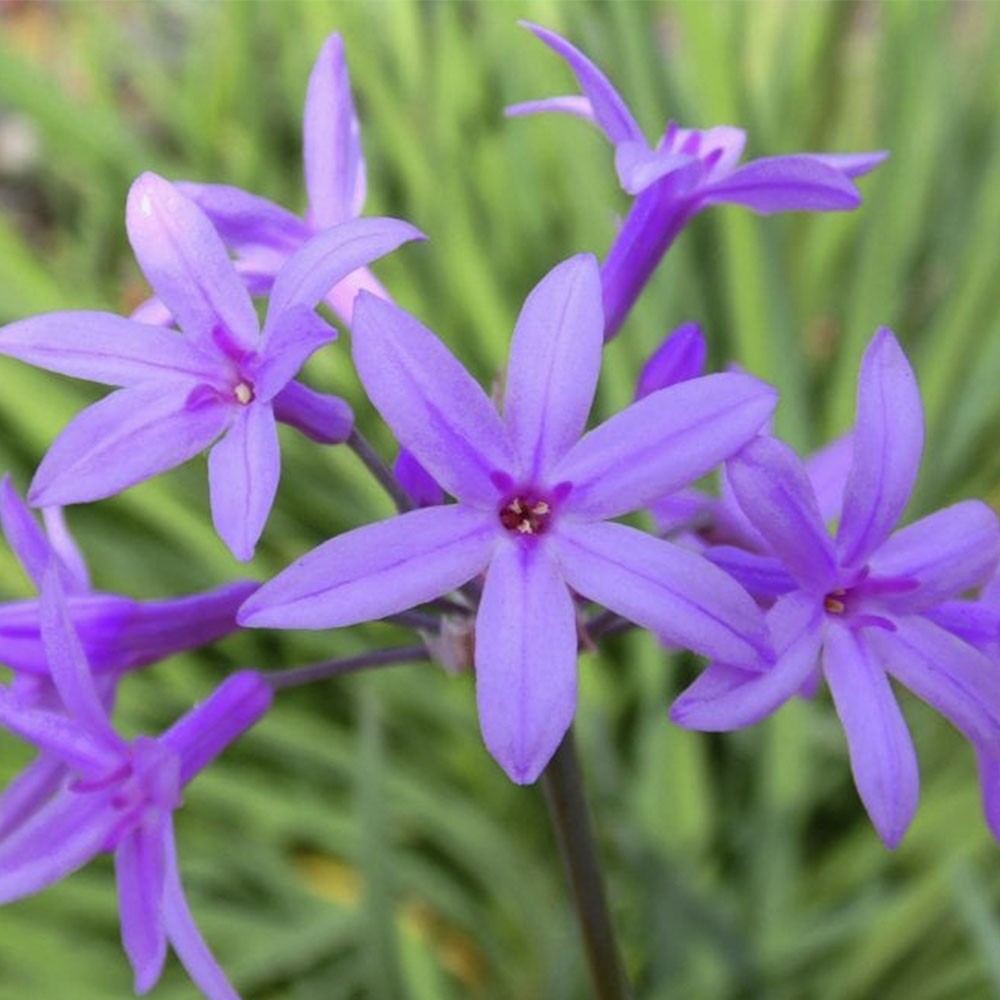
[{"x": 360, "y": 843}]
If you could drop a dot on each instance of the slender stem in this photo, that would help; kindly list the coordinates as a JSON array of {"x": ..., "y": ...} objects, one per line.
[
  {"x": 297, "y": 676},
  {"x": 562, "y": 783},
  {"x": 373, "y": 462},
  {"x": 608, "y": 623},
  {"x": 415, "y": 619}
]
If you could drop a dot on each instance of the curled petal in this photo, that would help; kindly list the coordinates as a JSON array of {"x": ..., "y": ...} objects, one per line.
[
  {"x": 851, "y": 164},
  {"x": 947, "y": 553},
  {"x": 725, "y": 697},
  {"x": 639, "y": 167},
  {"x": 430, "y": 401},
  {"x": 610, "y": 111},
  {"x": 888, "y": 440},
  {"x": 341, "y": 297},
  {"x": 555, "y": 358},
  {"x": 334, "y": 164},
  {"x": 773, "y": 490},
  {"x": 676, "y": 593},
  {"x": 525, "y": 660},
  {"x": 679, "y": 358},
  {"x": 125, "y": 438},
  {"x": 243, "y": 472},
  {"x": 882, "y": 758},
  {"x": 376, "y": 570},
  {"x": 187, "y": 264},
  {"x": 783, "y": 184},
  {"x": 663, "y": 442},
  {"x": 321, "y": 418}
]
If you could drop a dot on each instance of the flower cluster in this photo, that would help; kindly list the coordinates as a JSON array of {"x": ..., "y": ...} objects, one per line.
[{"x": 508, "y": 513}]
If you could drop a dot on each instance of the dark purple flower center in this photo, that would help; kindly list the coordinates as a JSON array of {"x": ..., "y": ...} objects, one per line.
[
  {"x": 864, "y": 602},
  {"x": 525, "y": 513}
]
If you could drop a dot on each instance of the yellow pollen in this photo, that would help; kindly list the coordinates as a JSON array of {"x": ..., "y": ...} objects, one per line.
[
  {"x": 832, "y": 602},
  {"x": 243, "y": 393}
]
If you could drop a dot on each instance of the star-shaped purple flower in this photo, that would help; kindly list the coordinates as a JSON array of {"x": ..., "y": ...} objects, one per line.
[
  {"x": 261, "y": 233},
  {"x": 864, "y": 604},
  {"x": 221, "y": 377},
  {"x": 533, "y": 501},
  {"x": 121, "y": 798},
  {"x": 687, "y": 170}
]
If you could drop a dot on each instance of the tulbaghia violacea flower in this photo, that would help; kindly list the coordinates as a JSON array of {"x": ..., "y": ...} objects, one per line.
[
  {"x": 686, "y": 171},
  {"x": 863, "y": 604},
  {"x": 533, "y": 501},
  {"x": 121, "y": 799},
  {"x": 118, "y": 634},
  {"x": 262, "y": 234},
  {"x": 221, "y": 377}
]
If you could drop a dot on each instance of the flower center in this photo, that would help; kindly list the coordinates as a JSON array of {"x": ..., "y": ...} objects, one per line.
[
  {"x": 835, "y": 602},
  {"x": 525, "y": 514},
  {"x": 243, "y": 393}
]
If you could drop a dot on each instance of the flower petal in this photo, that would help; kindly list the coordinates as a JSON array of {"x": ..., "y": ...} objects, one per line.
[
  {"x": 139, "y": 868},
  {"x": 419, "y": 484},
  {"x": 206, "y": 730},
  {"x": 68, "y": 665},
  {"x": 764, "y": 577},
  {"x": 104, "y": 348},
  {"x": 321, "y": 418},
  {"x": 125, "y": 438},
  {"x": 676, "y": 593},
  {"x": 293, "y": 338},
  {"x": 947, "y": 553},
  {"x": 610, "y": 111},
  {"x": 883, "y": 762},
  {"x": 773, "y": 490},
  {"x": 555, "y": 358},
  {"x": 679, "y": 358},
  {"x": 783, "y": 184},
  {"x": 186, "y": 262},
  {"x": 525, "y": 659},
  {"x": 573, "y": 104},
  {"x": 851, "y": 164},
  {"x": 60, "y": 838},
  {"x": 376, "y": 570},
  {"x": 23, "y": 534},
  {"x": 430, "y": 401},
  {"x": 663, "y": 442},
  {"x": 638, "y": 167},
  {"x": 953, "y": 677},
  {"x": 334, "y": 164},
  {"x": 328, "y": 258},
  {"x": 29, "y": 791},
  {"x": 184, "y": 935},
  {"x": 56, "y": 734},
  {"x": 989, "y": 781},
  {"x": 888, "y": 440},
  {"x": 246, "y": 221},
  {"x": 341, "y": 297},
  {"x": 243, "y": 472},
  {"x": 725, "y": 697}
]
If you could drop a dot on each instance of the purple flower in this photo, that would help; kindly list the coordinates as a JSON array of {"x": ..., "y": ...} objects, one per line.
[
  {"x": 264, "y": 235},
  {"x": 863, "y": 606},
  {"x": 222, "y": 376},
  {"x": 533, "y": 499},
  {"x": 121, "y": 799},
  {"x": 118, "y": 634},
  {"x": 687, "y": 170}
]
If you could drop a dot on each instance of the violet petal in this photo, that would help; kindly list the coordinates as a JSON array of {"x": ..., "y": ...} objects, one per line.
[
  {"x": 525, "y": 659},
  {"x": 139, "y": 872},
  {"x": 321, "y": 418},
  {"x": 377, "y": 570}
]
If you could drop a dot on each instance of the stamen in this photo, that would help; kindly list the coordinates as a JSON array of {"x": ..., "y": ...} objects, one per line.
[
  {"x": 243, "y": 393},
  {"x": 833, "y": 602},
  {"x": 524, "y": 515}
]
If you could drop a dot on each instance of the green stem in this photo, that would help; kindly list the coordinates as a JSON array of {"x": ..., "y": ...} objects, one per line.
[{"x": 562, "y": 783}]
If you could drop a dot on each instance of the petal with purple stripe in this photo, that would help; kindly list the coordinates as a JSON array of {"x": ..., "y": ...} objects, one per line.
[
  {"x": 525, "y": 659},
  {"x": 377, "y": 570}
]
